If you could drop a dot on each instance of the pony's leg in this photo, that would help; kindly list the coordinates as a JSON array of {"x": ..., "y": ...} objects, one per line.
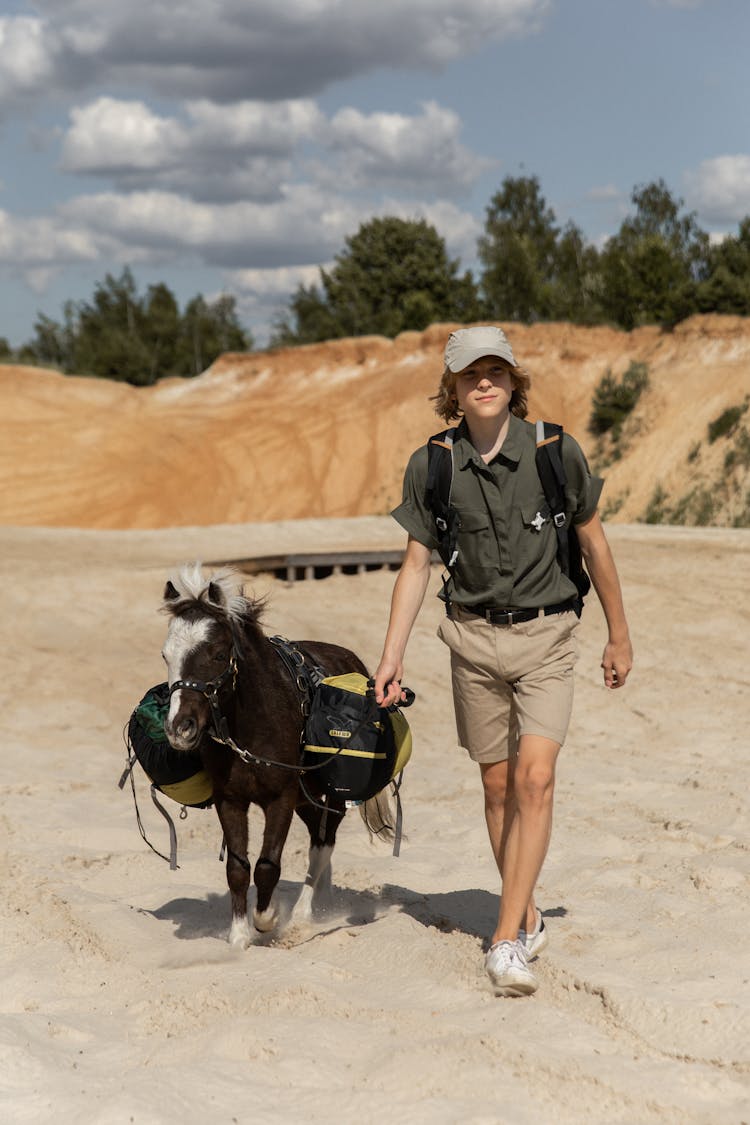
[
  {"x": 268, "y": 868},
  {"x": 317, "y": 882},
  {"x": 233, "y": 820},
  {"x": 316, "y": 890}
]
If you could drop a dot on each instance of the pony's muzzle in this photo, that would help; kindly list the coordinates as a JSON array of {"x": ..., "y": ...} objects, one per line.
[{"x": 183, "y": 734}]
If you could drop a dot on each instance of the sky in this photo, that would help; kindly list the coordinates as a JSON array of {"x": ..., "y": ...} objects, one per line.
[{"x": 231, "y": 146}]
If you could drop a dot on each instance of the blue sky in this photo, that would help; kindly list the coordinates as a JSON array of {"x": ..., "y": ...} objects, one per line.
[{"x": 232, "y": 145}]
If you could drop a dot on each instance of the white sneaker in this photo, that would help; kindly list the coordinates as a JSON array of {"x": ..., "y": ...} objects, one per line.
[
  {"x": 506, "y": 965},
  {"x": 536, "y": 940}
]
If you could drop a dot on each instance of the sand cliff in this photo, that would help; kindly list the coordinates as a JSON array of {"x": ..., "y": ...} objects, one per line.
[{"x": 325, "y": 430}]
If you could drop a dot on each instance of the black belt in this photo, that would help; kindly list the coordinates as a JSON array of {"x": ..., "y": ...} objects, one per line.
[{"x": 513, "y": 616}]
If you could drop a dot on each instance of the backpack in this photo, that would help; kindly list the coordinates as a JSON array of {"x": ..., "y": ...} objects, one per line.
[
  {"x": 549, "y": 464},
  {"x": 178, "y": 775},
  {"x": 356, "y": 747}
]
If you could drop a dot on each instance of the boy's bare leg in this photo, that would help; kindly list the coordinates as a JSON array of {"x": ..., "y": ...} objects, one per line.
[
  {"x": 499, "y": 812},
  {"x": 528, "y": 835}
]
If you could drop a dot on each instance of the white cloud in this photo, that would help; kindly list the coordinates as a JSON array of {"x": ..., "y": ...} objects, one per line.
[
  {"x": 604, "y": 194},
  {"x": 267, "y": 249},
  {"x": 110, "y": 135},
  {"x": 235, "y": 49},
  {"x": 45, "y": 242},
  {"x": 243, "y": 151},
  {"x": 719, "y": 189},
  {"x": 250, "y": 150},
  {"x": 393, "y": 148},
  {"x": 301, "y": 227},
  {"x": 270, "y": 285},
  {"x": 26, "y": 57}
]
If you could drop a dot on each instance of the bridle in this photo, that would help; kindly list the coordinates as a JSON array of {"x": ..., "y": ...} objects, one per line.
[{"x": 210, "y": 689}]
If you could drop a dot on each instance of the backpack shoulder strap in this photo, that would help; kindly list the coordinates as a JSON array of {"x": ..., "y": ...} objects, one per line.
[
  {"x": 440, "y": 470},
  {"x": 438, "y": 489},
  {"x": 549, "y": 464}
]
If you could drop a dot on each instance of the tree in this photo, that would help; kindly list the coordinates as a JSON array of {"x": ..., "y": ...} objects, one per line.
[
  {"x": 394, "y": 275},
  {"x": 532, "y": 269},
  {"x": 574, "y": 287},
  {"x": 517, "y": 251},
  {"x": 726, "y": 289},
  {"x": 137, "y": 339},
  {"x": 207, "y": 330},
  {"x": 651, "y": 268}
]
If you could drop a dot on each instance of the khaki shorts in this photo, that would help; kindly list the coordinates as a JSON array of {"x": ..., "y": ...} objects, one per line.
[{"x": 510, "y": 680}]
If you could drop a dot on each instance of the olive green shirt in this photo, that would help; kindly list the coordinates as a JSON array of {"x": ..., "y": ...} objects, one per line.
[{"x": 505, "y": 558}]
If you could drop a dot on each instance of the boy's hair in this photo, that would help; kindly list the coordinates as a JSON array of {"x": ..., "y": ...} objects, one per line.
[{"x": 446, "y": 404}]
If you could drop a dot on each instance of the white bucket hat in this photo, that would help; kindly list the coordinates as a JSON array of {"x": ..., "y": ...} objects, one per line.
[{"x": 469, "y": 344}]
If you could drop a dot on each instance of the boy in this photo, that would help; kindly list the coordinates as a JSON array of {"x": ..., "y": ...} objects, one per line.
[{"x": 511, "y": 619}]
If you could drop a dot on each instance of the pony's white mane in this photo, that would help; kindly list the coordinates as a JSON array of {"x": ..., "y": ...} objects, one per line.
[{"x": 190, "y": 582}]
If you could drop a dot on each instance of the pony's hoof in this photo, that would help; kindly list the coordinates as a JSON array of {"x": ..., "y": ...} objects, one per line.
[
  {"x": 239, "y": 933},
  {"x": 265, "y": 920}
]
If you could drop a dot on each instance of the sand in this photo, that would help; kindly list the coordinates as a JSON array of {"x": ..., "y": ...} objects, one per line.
[{"x": 122, "y": 1001}]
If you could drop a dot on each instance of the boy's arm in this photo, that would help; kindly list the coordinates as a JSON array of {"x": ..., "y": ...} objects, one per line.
[
  {"x": 618, "y": 653},
  {"x": 408, "y": 595}
]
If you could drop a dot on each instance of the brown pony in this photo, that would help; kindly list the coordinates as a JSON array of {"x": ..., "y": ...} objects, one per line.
[{"x": 233, "y": 699}]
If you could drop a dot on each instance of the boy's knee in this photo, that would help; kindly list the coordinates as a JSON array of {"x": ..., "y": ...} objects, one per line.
[
  {"x": 495, "y": 783},
  {"x": 535, "y": 783}
]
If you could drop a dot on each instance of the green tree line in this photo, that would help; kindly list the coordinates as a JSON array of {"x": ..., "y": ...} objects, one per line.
[
  {"x": 395, "y": 274},
  {"x": 136, "y": 338}
]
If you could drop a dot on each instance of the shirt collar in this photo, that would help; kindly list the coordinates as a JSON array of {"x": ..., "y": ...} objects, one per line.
[{"x": 510, "y": 451}]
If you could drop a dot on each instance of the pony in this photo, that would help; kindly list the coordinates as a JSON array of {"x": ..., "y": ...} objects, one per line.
[{"x": 235, "y": 701}]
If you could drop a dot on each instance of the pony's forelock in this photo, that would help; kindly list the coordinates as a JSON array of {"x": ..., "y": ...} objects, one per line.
[{"x": 192, "y": 585}]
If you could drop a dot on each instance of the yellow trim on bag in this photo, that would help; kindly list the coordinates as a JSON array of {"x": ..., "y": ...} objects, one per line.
[{"x": 346, "y": 752}]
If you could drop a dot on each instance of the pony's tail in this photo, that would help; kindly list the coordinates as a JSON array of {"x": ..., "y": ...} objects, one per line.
[
  {"x": 382, "y": 815},
  {"x": 379, "y": 815}
]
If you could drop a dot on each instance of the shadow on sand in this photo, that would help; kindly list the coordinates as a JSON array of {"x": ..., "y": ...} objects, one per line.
[{"x": 470, "y": 911}]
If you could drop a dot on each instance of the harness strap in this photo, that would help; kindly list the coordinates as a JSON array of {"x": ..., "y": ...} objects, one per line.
[
  {"x": 172, "y": 830},
  {"x": 305, "y": 674},
  {"x": 171, "y": 859}
]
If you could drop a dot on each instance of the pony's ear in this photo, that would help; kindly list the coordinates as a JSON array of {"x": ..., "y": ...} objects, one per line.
[
  {"x": 170, "y": 592},
  {"x": 216, "y": 594}
]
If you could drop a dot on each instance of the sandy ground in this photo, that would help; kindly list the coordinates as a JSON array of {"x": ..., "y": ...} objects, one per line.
[{"x": 122, "y": 1001}]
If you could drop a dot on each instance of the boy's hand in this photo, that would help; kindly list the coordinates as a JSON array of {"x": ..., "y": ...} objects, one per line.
[
  {"x": 388, "y": 683},
  {"x": 617, "y": 662}
]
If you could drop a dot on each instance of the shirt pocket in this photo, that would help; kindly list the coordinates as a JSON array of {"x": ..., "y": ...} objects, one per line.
[{"x": 477, "y": 550}]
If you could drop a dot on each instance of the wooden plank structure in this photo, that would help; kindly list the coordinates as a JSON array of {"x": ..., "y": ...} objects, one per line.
[{"x": 316, "y": 564}]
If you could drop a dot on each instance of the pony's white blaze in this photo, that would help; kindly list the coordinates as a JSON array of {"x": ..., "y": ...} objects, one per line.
[{"x": 183, "y": 637}]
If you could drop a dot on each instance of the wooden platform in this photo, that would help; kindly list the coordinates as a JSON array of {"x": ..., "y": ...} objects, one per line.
[{"x": 317, "y": 564}]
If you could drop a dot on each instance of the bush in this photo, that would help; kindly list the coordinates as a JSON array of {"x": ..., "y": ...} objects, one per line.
[
  {"x": 613, "y": 401},
  {"x": 725, "y": 423},
  {"x": 656, "y": 512},
  {"x": 739, "y": 455}
]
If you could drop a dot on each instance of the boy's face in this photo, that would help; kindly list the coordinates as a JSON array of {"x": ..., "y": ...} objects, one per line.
[{"x": 484, "y": 389}]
